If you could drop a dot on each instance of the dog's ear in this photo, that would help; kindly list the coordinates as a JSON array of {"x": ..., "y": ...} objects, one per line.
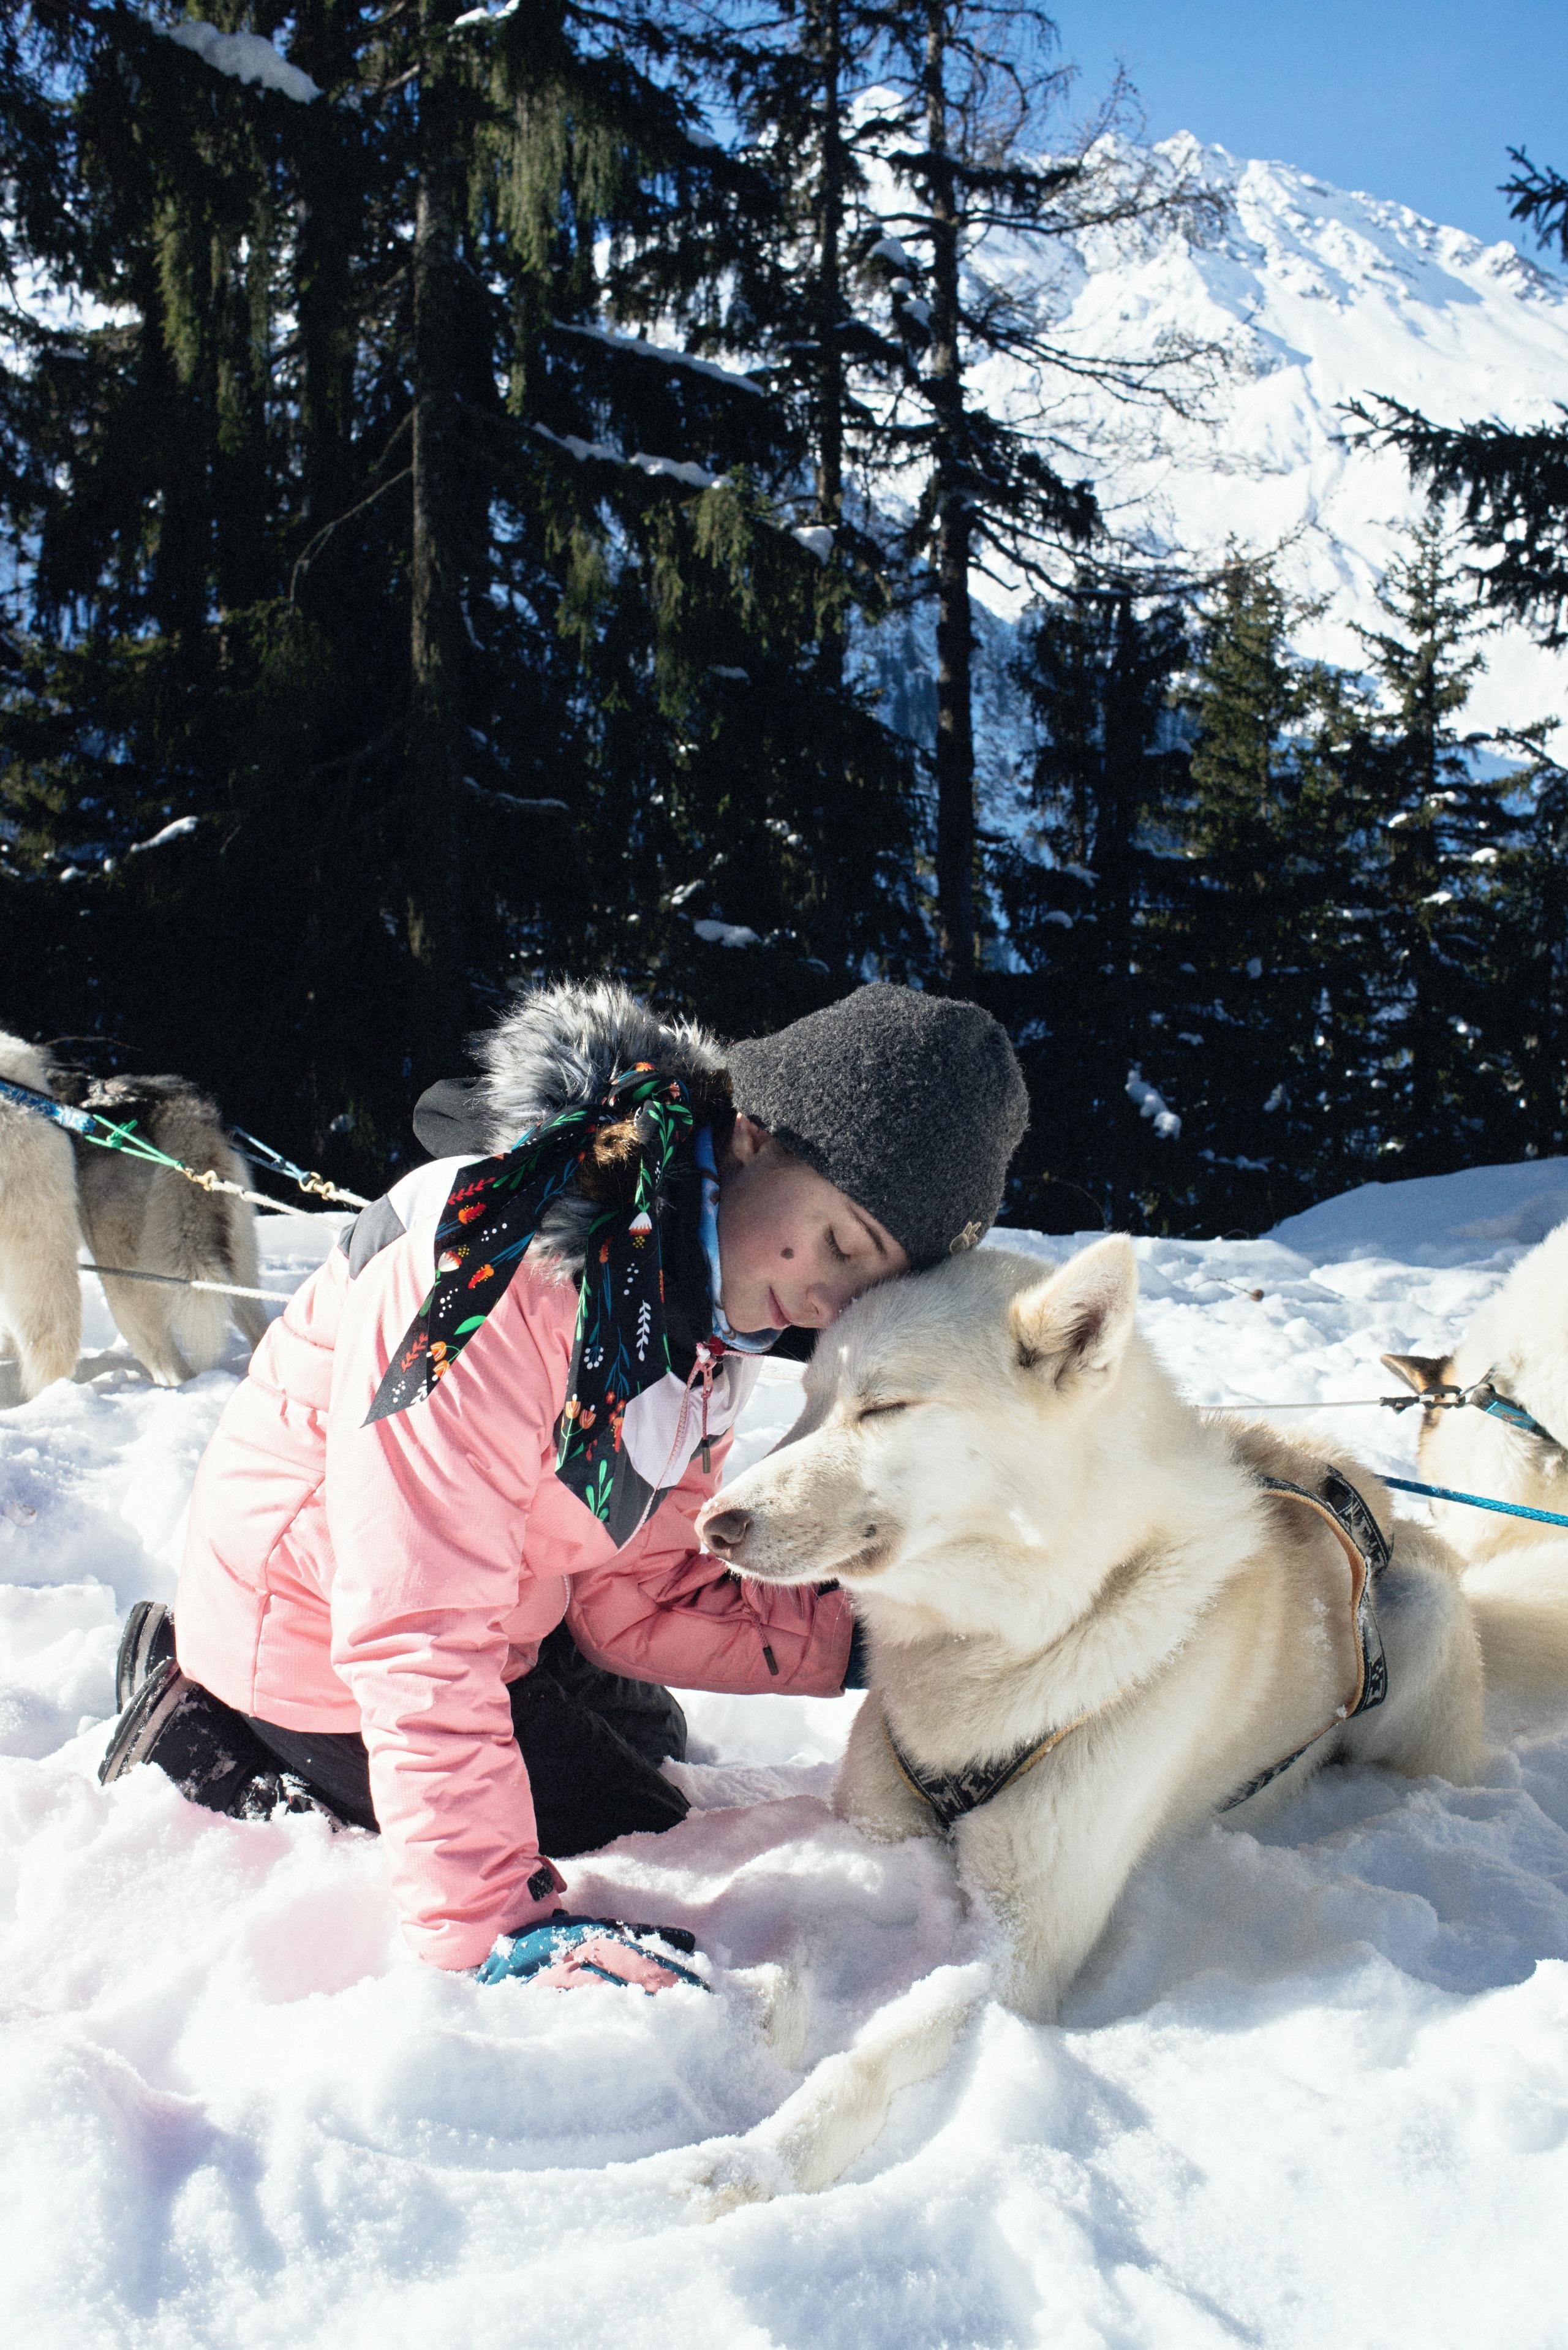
[
  {"x": 1422, "y": 1372},
  {"x": 1073, "y": 1328}
]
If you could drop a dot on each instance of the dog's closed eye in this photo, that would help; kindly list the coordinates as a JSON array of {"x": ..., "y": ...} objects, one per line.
[{"x": 880, "y": 1410}]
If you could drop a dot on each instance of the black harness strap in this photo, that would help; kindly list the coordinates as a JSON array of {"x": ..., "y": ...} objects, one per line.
[
  {"x": 953, "y": 1795},
  {"x": 1361, "y": 1538}
]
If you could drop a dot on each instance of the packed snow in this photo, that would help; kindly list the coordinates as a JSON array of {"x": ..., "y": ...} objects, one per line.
[{"x": 1313, "y": 2085}]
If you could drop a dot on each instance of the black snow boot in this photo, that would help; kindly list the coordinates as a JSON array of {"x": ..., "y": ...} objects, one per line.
[
  {"x": 211, "y": 1752},
  {"x": 147, "y": 1642}
]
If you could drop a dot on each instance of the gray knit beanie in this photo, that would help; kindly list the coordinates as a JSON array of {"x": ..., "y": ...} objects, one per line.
[{"x": 912, "y": 1104}]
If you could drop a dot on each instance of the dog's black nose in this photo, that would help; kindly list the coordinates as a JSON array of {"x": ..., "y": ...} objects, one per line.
[{"x": 726, "y": 1532}]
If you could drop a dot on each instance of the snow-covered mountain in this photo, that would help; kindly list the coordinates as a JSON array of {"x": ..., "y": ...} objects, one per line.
[{"x": 1315, "y": 297}]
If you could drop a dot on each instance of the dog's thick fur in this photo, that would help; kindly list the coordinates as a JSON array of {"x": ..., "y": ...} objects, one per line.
[
  {"x": 1038, "y": 1532},
  {"x": 40, "y": 1289},
  {"x": 1520, "y": 1338},
  {"x": 54, "y": 1193}
]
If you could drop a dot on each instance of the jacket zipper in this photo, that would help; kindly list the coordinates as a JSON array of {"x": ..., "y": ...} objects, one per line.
[{"x": 703, "y": 1367}]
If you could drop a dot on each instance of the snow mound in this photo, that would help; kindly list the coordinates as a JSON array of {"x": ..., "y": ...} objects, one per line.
[
  {"x": 1309, "y": 2079},
  {"x": 1437, "y": 1219}
]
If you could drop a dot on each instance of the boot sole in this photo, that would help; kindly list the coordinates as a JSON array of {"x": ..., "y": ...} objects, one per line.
[
  {"x": 144, "y": 1627},
  {"x": 143, "y": 1723}
]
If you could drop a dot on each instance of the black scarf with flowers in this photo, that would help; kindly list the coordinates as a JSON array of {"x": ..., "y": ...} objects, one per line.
[{"x": 623, "y": 1335}]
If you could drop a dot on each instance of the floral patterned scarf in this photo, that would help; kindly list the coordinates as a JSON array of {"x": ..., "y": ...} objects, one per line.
[{"x": 493, "y": 1214}]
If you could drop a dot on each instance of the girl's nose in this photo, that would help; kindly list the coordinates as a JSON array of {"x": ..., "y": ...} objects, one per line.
[{"x": 825, "y": 1303}]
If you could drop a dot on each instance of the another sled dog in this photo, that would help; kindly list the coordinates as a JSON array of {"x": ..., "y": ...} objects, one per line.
[
  {"x": 1059, "y": 1562},
  {"x": 1518, "y": 1342},
  {"x": 40, "y": 1288},
  {"x": 55, "y": 1191}
]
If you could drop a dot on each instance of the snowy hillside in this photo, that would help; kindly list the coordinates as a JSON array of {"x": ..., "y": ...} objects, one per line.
[
  {"x": 1313, "y": 2087},
  {"x": 1317, "y": 296}
]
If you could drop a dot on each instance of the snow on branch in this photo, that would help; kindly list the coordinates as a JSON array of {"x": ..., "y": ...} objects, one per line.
[
  {"x": 815, "y": 537},
  {"x": 678, "y": 469},
  {"x": 1151, "y": 1104},
  {"x": 674, "y": 469},
  {"x": 175, "y": 831},
  {"x": 727, "y": 934},
  {"x": 644, "y": 349},
  {"x": 244, "y": 57}
]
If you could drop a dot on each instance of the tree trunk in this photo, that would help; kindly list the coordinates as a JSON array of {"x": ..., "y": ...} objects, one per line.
[
  {"x": 435, "y": 714},
  {"x": 331, "y": 194},
  {"x": 826, "y": 37},
  {"x": 1121, "y": 756},
  {"x": 954, "y": 528}
]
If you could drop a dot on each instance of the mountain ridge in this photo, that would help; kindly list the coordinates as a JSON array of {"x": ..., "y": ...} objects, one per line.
[{"x": 1315, "y": 295}]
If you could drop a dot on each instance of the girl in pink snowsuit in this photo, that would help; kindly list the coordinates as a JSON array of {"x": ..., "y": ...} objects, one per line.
[{"x": 479, "y": 1435}]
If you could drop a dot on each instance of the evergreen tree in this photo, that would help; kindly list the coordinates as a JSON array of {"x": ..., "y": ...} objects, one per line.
[
  {"x": 1439, "y": 820},
  {"x": 962, "y": 141},
  {"x": 1510, "y": 484},
  {"x": 1097, "y": 667},
  {"x": 1259, "y": 994},
  {"x": 466, "y": 627},
  {"x": 1526, "y": 1037},
  {"x": 798, "y": 77}
]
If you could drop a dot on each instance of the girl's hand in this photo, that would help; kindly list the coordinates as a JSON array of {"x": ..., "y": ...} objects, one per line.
[{"x": 566, "y": 1952}]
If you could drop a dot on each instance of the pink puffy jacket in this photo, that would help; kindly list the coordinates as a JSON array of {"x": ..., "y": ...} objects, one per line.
[{"x": 393, "y": 1578}]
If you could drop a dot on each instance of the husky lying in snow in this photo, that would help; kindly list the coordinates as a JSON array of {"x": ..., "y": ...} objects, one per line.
[
  {"x": 55, "y": 1192},
  {"x": 1065, "y": 1572}
]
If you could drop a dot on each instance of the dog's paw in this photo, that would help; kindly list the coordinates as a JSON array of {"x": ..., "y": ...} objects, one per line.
[
  {"x": 725, "y": 2175},
  {"x": 783, "y": 2009}
]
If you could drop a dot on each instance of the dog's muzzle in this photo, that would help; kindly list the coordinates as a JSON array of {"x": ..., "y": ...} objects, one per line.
[{"x": 724, "y": 1533}]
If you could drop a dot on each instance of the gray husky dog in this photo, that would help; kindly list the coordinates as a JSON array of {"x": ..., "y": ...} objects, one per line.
[{"x": 57, "y": 1191}]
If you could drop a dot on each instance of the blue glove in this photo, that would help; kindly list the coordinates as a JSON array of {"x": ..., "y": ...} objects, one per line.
[{"x": 567, "y": 1952}]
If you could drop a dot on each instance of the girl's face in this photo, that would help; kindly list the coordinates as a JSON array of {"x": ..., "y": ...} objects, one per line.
[{"x": 792, "y": 1247}]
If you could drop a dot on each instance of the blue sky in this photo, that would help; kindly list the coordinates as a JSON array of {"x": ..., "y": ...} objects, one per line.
[{"x": 1416, "y": 99}]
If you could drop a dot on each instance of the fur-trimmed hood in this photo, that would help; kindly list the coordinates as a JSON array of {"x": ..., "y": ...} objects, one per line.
[{"x": 557, "y": 1048}]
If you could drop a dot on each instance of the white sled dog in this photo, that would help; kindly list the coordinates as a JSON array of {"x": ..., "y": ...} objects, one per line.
[
  {"x": 1517, "y": 1345},
  {"x": 1514, "y": 1359},
  {"x": 54, "y": 1193},
  {"x": 1082, "y": 1594}
]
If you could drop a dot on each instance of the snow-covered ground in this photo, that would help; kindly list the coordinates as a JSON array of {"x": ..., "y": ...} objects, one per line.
[{"x": 1312, "y": 2087}]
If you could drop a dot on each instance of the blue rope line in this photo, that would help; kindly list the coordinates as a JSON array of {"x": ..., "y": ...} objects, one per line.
[
  {"x": 300, "y": 1175},
  {"x": 85, "y": 1122},
  {"x": 1477, "y": 1502}
]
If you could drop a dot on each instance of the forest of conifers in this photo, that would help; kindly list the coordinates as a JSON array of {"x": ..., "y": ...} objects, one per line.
[{"x": 458, "y": 493}]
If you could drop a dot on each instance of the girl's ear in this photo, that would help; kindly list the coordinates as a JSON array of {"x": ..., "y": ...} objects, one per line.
[{"x": 747, "y": 1139}]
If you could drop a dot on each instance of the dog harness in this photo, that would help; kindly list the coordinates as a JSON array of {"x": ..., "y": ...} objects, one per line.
[
  {"x": 953, "y": 1795},
  {"x": 1361, "y": 1538},
  {"x": 1484, "y": 1395}
]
